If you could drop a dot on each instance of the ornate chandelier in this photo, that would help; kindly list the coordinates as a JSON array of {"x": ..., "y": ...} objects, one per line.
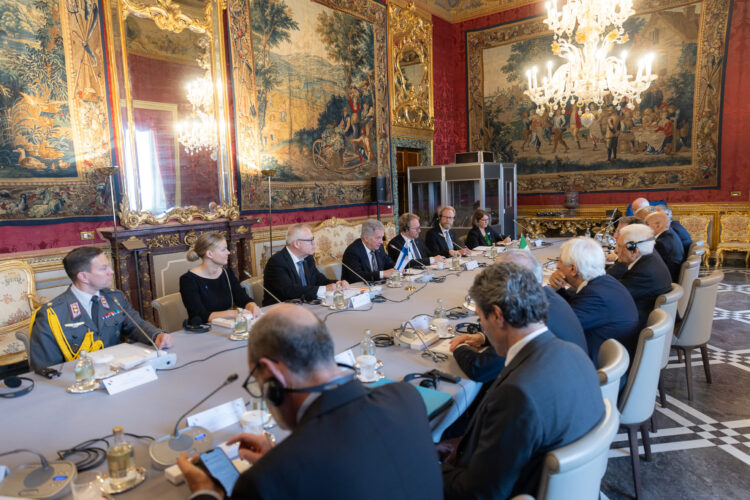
[
  {"x": 198, "y": 133},
  {"x": 584, "y": 34}
]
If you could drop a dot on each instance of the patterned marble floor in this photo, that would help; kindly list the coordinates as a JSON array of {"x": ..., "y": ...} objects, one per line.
[{"x": 702, "y": 448}]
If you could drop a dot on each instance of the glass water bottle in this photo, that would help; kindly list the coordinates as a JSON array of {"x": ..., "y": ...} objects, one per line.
[{"x": 120, "y": 462}]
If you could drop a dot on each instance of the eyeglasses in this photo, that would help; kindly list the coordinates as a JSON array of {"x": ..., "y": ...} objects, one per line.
[
  {"x": 484, "y": 220},
  {"x": 448, "y": 217},
  {"x": 309, "y": 241},
  {"x": 251, "y": 385}
]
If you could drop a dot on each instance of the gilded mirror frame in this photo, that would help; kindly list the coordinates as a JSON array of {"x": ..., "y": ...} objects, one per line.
[
  {"x": 168, "y": 16},
  {"x": 410, "y": 33}
]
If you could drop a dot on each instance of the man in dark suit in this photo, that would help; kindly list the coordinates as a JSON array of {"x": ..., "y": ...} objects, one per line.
[
  {"x": 291, "y": 273},
  {"x": 530, "y": 408},
  {"x": 679, "y": 230},
  {"x": 485, "y": 366},
  {"x": 603, "y": 305},
  {"x": 409, "y": 229},
  {"x": 339, "y": 428},
  {"x": 641, "y": 270},
  {"x": 88, "y": 316},
  {"x": 441, "y": 239},
  {"x": 366, "y": 256},
  {"x": 668, "y": 245}
]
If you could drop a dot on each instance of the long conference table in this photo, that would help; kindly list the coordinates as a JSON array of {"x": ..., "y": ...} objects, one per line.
[{"x": 50, "y": 419}]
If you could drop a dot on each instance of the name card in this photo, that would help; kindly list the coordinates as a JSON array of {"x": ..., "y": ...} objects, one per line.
[
  {"x": 359, "y": 300},
  {"x": 471, "y": 265},
  {"x": 130, "y": 379},
  {"x": 346, "y": 357},
  {"x": 220, "y": 416}
]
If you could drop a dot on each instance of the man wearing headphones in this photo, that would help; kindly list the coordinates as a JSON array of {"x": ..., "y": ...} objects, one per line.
[
  {"x": 339, "y": 427},
  {"x": 642, "y": 271}
]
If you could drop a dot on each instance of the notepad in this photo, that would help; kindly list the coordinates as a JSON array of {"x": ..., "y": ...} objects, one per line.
[{"x": 435, "y": 401}]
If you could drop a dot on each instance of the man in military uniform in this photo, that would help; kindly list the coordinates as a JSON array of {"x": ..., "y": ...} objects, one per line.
[{"x": 87, "y": 316}]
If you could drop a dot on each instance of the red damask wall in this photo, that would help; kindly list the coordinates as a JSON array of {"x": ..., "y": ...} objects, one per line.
[{"x": 451, "y": 111}]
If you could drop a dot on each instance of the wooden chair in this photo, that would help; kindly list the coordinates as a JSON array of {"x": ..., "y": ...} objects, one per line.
[
  {"x": 170, "y": 312},
  {"x": 697, "y": 226},
  {"x": 734, "y": 236},
  {"x": 17, "y": 305}
]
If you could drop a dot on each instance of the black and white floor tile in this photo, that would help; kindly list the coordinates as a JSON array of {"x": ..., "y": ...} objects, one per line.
[{"x": 701, "y": 448}]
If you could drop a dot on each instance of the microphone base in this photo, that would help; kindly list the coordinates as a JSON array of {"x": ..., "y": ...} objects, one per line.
[
  {"x": 166, "y": 450},
  {"x": 163, "y": 360},
  {"x": 34, "y": 481}
]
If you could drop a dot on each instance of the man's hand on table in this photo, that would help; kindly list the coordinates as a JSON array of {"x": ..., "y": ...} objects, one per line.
[{"x": 196, "y": 478}]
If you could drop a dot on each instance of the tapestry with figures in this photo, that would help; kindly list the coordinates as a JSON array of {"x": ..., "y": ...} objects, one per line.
[
  {"x": 54, "y": 122},
  {"x": 669, "y": 140},
  {"x": 311, "y": 103}
]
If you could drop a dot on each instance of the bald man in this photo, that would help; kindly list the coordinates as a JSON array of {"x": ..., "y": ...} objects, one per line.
[
  {"x": 668, "y": 244},
  {"x": 339, "y": 428},
  {"x": 644, "y": 206}
]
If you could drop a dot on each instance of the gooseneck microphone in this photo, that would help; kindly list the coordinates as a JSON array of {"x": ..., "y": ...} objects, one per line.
[
  {"x": 524, "y": 227},
  {"x": 45, "y": 479},
  {"x": 369, "y": 286},
  {"x": 166, "y": 450},
  {"x": 163, "y": 359},
  {"x": 264, "y": 288}
]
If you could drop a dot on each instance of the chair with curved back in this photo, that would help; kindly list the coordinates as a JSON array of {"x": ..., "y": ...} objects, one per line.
[
  {"x": 694, "y": 331},
  {"x": 697, "y": 225},
  {"x": 688, "y": 273},
  {"x": 613, "y": 362},
  {"x": 698, "y": 248},
  {"x": 254, "y": 288},
  {"x": 576, "y": 470},
  {"x": 668, "y": 302},
  {"x": 17, "y": 306},
  {"x": 170, "y": 312},
  {"x": 637, "y": 400},
  {"x": 734, "y": 236},
  {"x": 331, "y": 270}
]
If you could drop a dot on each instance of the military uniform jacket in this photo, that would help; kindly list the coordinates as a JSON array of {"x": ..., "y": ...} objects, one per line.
[{"x": 75, "y": 322}]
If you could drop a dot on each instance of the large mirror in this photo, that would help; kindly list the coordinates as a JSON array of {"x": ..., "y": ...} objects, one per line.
[
  {"x": 411, "y": 64},
  {"x": 167, "y": 58}
]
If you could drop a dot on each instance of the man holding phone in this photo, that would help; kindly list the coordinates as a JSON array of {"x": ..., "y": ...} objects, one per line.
[{"x": 339, "y": 427}]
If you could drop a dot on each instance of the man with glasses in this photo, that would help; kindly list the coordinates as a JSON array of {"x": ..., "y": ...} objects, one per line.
[
  {"x": 291, "y": 272},
  {"x": 409, "y": 227},
  {"x": 346, "y": 441},
  {"x": 441, "y": 239}
]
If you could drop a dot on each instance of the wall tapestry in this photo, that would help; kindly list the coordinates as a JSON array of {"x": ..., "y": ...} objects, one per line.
[
  {"x": 54, "y": 122},
  {"x": 669, "y": 141},
  {"x": 311, "y": 100}
]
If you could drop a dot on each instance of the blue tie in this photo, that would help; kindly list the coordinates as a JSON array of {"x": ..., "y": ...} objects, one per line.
[{"x": 301, "y": 268}]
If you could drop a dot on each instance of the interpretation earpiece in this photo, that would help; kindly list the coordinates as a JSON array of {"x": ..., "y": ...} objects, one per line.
[{"x": 274, "y": 392}]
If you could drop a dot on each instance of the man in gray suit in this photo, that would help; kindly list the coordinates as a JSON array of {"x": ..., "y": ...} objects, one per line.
[
  {"x": 87, "y": 316},
  {"x": 530, "y": 408}
]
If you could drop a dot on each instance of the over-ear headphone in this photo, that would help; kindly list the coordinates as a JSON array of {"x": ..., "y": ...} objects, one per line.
[
  {"x": 195, "y": 325},
  {"x": 427, "y": 379},
  {"x": 633, "y": 245},
  {"x": 275, "y": 393},
  {"x": 12, "y": 383}
]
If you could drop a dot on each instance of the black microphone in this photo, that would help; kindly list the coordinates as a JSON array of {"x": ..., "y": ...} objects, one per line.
[
  {"x": 165, "y": 450},
  {"x": 369, "y": 286},
  {"x": 263, "y": 285},
  {"x": 163, "y": 359},
  {"x": 46, "y": 479}
]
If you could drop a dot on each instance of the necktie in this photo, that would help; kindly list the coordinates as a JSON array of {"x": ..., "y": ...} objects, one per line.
[
  {"x": 301, "y": 269},
  {"x": 373, "y": 261},
  {"x": 415, "y": 249},
  {"x": 96, "y": 312},
  {"x": 448, "y": 240}
]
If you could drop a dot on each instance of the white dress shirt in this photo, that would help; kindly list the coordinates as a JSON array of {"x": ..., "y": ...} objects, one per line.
[{"x": 321, "y": 293}]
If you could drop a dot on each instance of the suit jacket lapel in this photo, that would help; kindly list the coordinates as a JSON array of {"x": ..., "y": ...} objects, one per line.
[{"x": 292, "y": 266}]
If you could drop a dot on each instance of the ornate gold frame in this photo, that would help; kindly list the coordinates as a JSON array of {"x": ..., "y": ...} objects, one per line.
[
  {"x": 410, "y": 31},
  {"x": 167, "y": 15}
]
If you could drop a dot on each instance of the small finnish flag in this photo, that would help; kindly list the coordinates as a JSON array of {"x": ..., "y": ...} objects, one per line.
[{"x": 403, "y": 258}]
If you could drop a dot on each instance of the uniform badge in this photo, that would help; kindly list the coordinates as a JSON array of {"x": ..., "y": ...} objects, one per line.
[
  {"x": 75, "y": 310},
  {"x": 104, "y": 301}
]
